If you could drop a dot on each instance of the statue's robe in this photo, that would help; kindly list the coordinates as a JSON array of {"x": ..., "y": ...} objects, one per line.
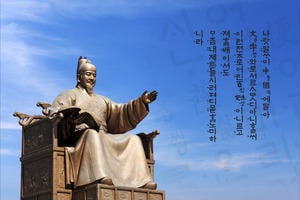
[{"x": 106, "y": 152}]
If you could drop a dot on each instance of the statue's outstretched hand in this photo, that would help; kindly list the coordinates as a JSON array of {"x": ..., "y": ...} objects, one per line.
[{"x": 149, "y": 97}]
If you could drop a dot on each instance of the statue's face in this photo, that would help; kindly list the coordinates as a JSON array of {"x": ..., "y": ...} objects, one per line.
[{"x": 87, "y": 77}]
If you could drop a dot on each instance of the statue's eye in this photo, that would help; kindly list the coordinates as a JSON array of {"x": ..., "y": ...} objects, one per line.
[{"x": 90, "y": 74}]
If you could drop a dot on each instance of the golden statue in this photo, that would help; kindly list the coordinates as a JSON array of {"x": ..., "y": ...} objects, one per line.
[{"x": 94, "y": 129}]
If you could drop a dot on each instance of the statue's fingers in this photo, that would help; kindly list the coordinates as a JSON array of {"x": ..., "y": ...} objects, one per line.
[
  {"x": 145, "y": 92},
  {"x": 154, "y": 92}
]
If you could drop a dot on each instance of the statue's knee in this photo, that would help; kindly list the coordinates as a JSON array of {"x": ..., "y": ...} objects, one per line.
[
  {"x": 136, "y": 139},
  {"x": 90, "y": 133}
]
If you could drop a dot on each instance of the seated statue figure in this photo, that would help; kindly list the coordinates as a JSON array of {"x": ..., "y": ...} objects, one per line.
[{"x": 98, "y": 148}]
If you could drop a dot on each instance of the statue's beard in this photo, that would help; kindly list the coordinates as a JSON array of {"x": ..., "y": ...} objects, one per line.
[{"x": 89, "y": 89}]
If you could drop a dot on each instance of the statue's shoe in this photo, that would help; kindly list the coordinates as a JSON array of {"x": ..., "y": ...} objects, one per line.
[
  {"x": 106, "y": 181},
  {"x": 150, "y": 185}
]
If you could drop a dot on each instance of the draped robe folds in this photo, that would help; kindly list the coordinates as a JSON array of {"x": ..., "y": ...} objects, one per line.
[{"x": 106, "y": 152}]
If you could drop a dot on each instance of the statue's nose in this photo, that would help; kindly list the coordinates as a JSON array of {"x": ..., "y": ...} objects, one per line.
[{"x": 91, "y": 77}]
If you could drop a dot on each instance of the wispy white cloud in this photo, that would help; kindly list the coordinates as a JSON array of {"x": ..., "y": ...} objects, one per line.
[
  {"x": 225, "y": 162},
  {"x": 128, "y": 7},
  {"x": 24, "y": 10},
  {"x": 9, "y": 152},
  {"x": 9, "y": 125},
  {"x": 40, "y": 11},
  {"x": 24, "y": 68}
]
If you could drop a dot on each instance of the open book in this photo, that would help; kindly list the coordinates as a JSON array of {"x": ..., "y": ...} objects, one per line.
[{"x": 73, "y": 124}]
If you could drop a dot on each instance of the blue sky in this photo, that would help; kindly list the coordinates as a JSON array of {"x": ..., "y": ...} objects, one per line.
[{"x": 139, "y": 45}]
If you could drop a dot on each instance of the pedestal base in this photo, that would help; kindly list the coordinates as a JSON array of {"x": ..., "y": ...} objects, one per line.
[{"x": 106, "y": 192}]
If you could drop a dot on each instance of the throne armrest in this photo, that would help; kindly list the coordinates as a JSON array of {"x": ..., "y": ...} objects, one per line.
[{"x": 147, "y": 141}]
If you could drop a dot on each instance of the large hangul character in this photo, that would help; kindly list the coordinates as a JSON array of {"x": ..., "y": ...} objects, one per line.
[
  {"x": 237, "y": 110},
  {"x": 212, "y": 32},
  {"x": 237, "y": 118},
  {"x": 253, "y": 71},
  {"x": 238, "y": 42},
  {"x": 266, "y": 51},
  {"x": 212, "y": 108},
  {"x": 212, "y": 41},
  {"x": 266, "y": 114},
  {"x": 239, "y": 126},
  {"x": 239, "y": 68},
  {"x": 212, "y": 87},
  {"x": 267, "y": 61},
  {"x": 238, "y": 97},
  {"x": 212, "y": 130},
  {"x": 252, "y": 111},
  {"x": 240, "y": 54},
  {"x": 253, "y": 33},
  {"x": 239, "y": 49},
  {"x": 212, "y": 64},
  {"x": 213, "y": 56},
  {"x": 225, "y": 72},
  {"x": 253, "y": 74},
  {"x": 212, "y": 81},
  {"x": 252, "y": 94},
  {"x": 239, "y": 61},
  {"x": 238, "y": 77},
  {"x": 242, "y": 90},
  {"x": 266, "y": 106},
  {"x": 212, "y": 72},
  {"x": 265, "y": 40},
  {"x": 253, "y": 131},
  {"x": 226, "y": 44},
  {"x": 251, "y": 104},
  {"x": 266, "y": 98},
  {"x": 266, "y": 84},
  {"x": 265, "y": 69},
  {"x": 212, "y": 94},
  {"x": 198, "y": 34},
  {"x": 211, "y": 48},
  {"x": 212, "y": 100},
  {"x": 252, "y": 61},
  {"x": 253, "y": 83},
  {"x": 213, "y": 115},
  {"x": 238, "y": 131},
  {"x": 252, "y": 88},
  {"x": 253, "y": 46},
  {"x": 253, "y": 136},
  {"x": 226, "y": 65},
  {"x": 254, "y": 54},
  {"x": 212, "y": 123},
  {"x": 238, "y": 33},
  {"x": 213, "y": 138},
  {"x": 240, "y": 84},
  {"x": 198, "y": 41},
  {"x": 226, "y": 33},
  {"x": 252, "y": 119},
  {"x": 253, "y": 99}
]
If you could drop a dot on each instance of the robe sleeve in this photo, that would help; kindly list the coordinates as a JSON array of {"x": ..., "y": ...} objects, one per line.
[
  {"x": 124, "y": 117},
  {"x": 62, "y": 101}
]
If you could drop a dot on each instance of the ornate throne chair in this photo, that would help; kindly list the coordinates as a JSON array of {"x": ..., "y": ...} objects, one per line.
[{"x": 45, "y": 170}]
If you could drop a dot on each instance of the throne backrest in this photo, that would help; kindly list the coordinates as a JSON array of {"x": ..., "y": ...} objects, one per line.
[{"x": 45, "y": 173}]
